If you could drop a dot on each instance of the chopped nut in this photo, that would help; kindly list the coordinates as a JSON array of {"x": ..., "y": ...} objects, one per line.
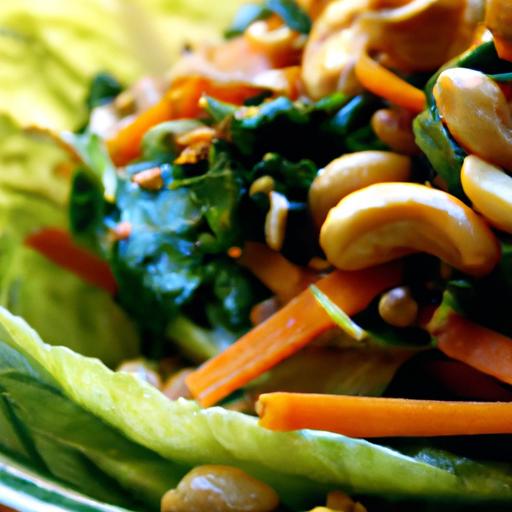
[
  {"x": 194, "y": 153},
  {"x": 149, "y": 179},
  {"x": 121, "y": 232}
]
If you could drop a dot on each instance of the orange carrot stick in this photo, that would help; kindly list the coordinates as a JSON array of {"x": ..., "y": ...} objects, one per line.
[
  {"x": 479, "y": 347},
  {"x": 270, "y": 266},
  {"x": 357, "y": 416},
  {"x": 57, "y": 246},
  {"x": 287, "y": 331},
  {"x": 384, "y": 83}
]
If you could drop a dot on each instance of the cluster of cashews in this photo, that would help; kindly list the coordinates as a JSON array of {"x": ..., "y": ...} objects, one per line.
[
  {"x": 400, "y": 30},
  {"x": 477, "y": 114},
  {"x": 369, "y": 215}
]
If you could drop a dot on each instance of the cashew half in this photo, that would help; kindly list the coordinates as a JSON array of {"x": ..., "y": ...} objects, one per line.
[
  {"x": 352, "y": 172},
  {"x": 490, "y": 191},
  {"x": 333, "y": 48},
  {"x": 386, "y": 221},
  {"x": 476, "y": 113}
]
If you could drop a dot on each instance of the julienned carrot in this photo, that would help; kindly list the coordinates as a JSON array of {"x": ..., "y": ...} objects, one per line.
[
  {"x": 386, "y": 84},
  {"x": 270, "y": 266},
  {"x": 479, "y": 347},
  {"x": 357, "y": 416},
  {"x": 287, "y": 331},
  {"x": 58, "y": 246}
]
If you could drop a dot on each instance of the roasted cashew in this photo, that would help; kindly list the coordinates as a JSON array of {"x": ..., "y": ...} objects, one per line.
[
  {"x": 352, "y": 172},
  {"x": 477, "y": 114},
  {"x": 402, "y": 32},
  {"x": 490, "y": 191},
  {"x": 333, "y": 48},
  {"x": 220, "y": 489},
  {"x": 386, "y": 221}
]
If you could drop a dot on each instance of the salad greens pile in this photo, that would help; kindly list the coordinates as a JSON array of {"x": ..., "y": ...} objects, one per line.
[
  {"x": 64, "y": 414},
  {"x": 175, "y": 261}
]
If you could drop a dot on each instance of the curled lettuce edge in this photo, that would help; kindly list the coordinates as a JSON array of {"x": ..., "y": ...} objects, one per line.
[{"x": 183, "y": 432}]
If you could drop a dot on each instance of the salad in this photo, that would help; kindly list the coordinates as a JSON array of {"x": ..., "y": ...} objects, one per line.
[{"x": 276, "y": 277}]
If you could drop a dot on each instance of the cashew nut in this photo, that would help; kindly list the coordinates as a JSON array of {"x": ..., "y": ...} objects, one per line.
[
  {"x": 404, "y": 33},
  {"x": 220, "y": 489},
  {"x": 352, "y": 172},
  {"x": 275, "y": 221},
  {"x": 394, "y": 128},
  {"x": 401, "y": 31},
  {"x": 476, "y": 113},
  {"x": 389, "y": 220},
  {"x": 332, "y": 49},
  {"x": 490, "y": 191}
]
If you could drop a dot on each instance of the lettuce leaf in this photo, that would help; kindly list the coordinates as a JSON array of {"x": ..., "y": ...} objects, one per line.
[
  {"x": 33, "y": 194},
  {"x": 50, "y": 50},
  {"x": 183, "y": 432}
]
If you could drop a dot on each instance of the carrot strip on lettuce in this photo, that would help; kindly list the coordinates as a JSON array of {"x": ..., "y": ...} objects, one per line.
[
  {"x": 58, "y": 246},
  {"x": 477, "y": 346},
  {"x": 367, "y": 417},
  {"x": 295, "y": 325},
  {"x": 384, "y": 83}
]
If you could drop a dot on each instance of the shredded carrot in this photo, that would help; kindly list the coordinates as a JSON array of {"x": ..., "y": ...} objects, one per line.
[
  {"x": 270, "y": 266},
  {"x": 294, "y": 326},
  {"x": 58, "y": 246},
  {"x": 479, "y": 347},
  {"x": 357, "y": 416},
  {"x": 382, "y": 82},
  {"x": 503, "y": 47}
]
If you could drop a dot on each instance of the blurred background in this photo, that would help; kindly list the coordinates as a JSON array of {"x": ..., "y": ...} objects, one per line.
[{"x": 49, "y": 49}]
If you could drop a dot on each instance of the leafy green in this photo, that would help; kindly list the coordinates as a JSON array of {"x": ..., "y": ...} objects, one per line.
[
  {"x": 444, "y": 154},
  {"x": 291, "y": 14},
  {"x": 104, "y": 88},
  {"x": 70, "y": 443},
  {"x": 338, "y": 316},
  {"x": 175, "y": 257},
  {"x": 21, "y": 486},
  {"x": 317, "y": 131},
  {"x": 136, "y": 422}
]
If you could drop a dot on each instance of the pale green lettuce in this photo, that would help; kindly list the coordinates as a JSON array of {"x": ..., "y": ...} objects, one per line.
[
  {"x": 296, "y": 463},
  {"x": 66, "y": 310},
  {"x": 49, "y": 50}
]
